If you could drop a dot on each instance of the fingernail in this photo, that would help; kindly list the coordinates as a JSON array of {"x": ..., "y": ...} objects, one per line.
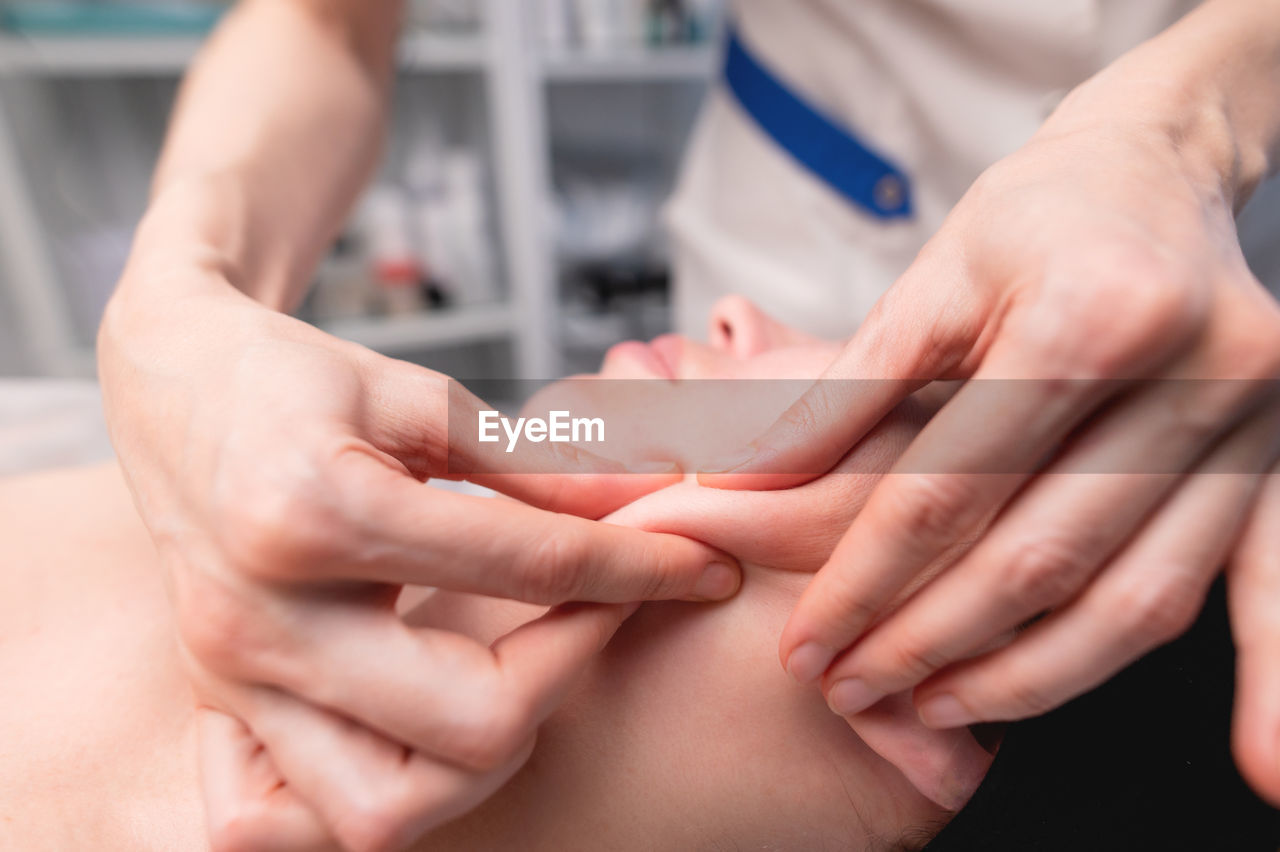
[
  {"x": 852, "y": 695},
  {"x": 719, "y": 580},
  {"x": 945, "y": 711},
  {"x": 807, "y": 663},
  {"x": 730, "y": 462},
  {"x": 654, "y": 468}
]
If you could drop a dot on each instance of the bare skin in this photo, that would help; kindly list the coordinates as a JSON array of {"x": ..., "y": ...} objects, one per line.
[
  {"x": 206, "y": 379},
  {"x": 1127, "y": 196},
  {"x": 683, "y": 733},
  {"x": 1093, "y": 286}
]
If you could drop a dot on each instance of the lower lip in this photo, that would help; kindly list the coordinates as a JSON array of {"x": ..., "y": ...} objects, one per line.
[{"x": 646, "y": 355}]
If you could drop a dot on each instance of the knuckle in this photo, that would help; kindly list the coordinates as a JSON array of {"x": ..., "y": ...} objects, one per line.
[
  {"x": 491, "y": 732},
  {"x": 374, "y": 823},
  {"x": 1158, "y": 612},
  {"x": 1132, "y": 303},
  {"x": 1198, "y": 413},
  {"x": 240, "y": 830},
  {"x": 231, "y": 630},
  {"x": 1040, "y": 573},
  {"x": 1025, "y": 699},
  {"x": 390, "y": 811},
  {"x": 1149, "y": 290},
  {"x": 549, "y": 571},
  {"x": 1269, "y": 338},
  {"x": 275, "y": 525},
  {"x": 929, "y": 506},
  {"x": 913, "y": 659},
  {"x": 847, "y": 605},
  {"x": 667, "y": 571},
  {"x": 1253, "y": 350},
  {"x": 667, "y": 576},
  {"x": 1156, "y": 296},
  {"x": 807, "y": 415},
  {"x": 216, "y": 626}
]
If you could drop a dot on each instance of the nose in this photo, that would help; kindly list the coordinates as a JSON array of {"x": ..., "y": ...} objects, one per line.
[{"x": 739, "y": 328}]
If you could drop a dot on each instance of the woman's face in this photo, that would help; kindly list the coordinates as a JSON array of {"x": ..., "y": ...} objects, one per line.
[
  {"x": 691, "y": 699},
  {"x": 674, "y": 400},
  {"x": 782, "y": 533},
  {"x": 745, "y": 343}
]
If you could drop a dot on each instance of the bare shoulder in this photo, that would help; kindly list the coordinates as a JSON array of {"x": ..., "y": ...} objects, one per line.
[
  {"x": 79, "y": 500},
  {"x": 97, "y": 715}
]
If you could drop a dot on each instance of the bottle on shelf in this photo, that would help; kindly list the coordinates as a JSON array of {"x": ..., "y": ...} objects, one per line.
[
  {"x": 448, "y": 15},
  {"x": 599, "y": 26},
  {"x": 342, "y": 287},
  {"x": 393, "y": 264},
  {"x": 449, "y": 221}
]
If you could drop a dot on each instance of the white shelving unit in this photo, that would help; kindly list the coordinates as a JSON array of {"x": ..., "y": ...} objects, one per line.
[
  {"x": 443, "y": 328},
  {"x": 119, "y": 56},
  {"x": 95, "y": 56},
  {"x": 635, "y": 65},
  {"x": 515, "y": 75}
]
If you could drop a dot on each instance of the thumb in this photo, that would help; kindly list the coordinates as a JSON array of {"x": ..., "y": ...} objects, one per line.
[
  {"x": 552, "y": 475},
  {"x": 915, "y": 334},
  {"x": 428, "y": 422}
]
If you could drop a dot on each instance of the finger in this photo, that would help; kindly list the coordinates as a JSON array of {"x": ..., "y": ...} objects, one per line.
[
  {"x": 467, "y": 705},
  {"x": 811, "y": 436},
  {"x": 828, "y": 504},
  {"x": 1053, "y": 538},
  {"x": 957, "y": 472},
  {"x": 406, "y": 532},
  {"x": 1253, "y": 596},
  {"x": 1147, "y": 596},
  {"x": 372, "y": 793},
  {"x": 376, "y": 793},
  {"x": 909, "y": 339},
  {"x": 248, "y": 807},
  {"x": 430, "y": 423},
  {"x": 945, "y": 765}
]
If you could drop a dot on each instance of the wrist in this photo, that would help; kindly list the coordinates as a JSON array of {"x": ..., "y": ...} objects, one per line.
[
  {"x": 194, "y": 228},
  {"x": 162, "y": 301},
  {"x": 1207, "y": 91},
  {"x": 208, "y": 228},
  {"x": 188, "y": 259},
  {"x": 1183, "y": 128}
]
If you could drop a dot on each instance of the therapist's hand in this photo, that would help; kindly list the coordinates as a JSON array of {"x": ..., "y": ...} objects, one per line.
[
  {"x": 1098, "y": 465},
  {"x": 281, "y": 473}
]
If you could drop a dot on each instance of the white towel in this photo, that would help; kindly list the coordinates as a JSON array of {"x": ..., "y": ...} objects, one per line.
[{"x": 45, "y": 424}]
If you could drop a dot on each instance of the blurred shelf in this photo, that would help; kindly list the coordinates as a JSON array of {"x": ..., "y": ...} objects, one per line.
[
  {"x": 122, "y": 56},
  {"x": 97, "y": 56},
  {"x": 639, "y": 64},
  {"x": 389, "y": 335},
  {"x": 428, "y": 330},
  {"x": 78, "y": 17},
  {"x": 426, "y": 51}
]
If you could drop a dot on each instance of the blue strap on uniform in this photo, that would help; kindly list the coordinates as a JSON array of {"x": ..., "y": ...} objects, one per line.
[{"x": 830, "y": 151}]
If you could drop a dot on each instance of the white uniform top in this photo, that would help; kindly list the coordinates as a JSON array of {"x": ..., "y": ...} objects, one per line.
[{"x": 942, "y": 88}]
